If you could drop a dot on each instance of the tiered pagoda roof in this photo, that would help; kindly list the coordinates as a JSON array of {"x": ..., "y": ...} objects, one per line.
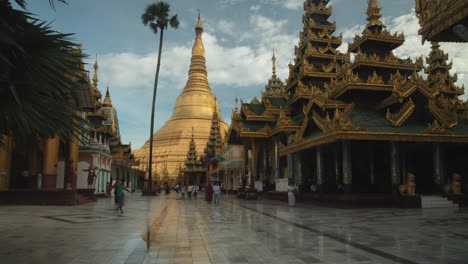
[
  {"x": 316, "y": 56},
  {"x": 381, "y": 96},
  {"x": 215, "y": 142},
  {"x": 192, "y": 157}
]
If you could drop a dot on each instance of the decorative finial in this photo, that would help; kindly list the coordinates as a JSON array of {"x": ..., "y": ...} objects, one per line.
[
  {"x": 236, "y": 107},
  {"x": 199, "y": 26},
  {"x": 373, "y": 14},
  {"x": 95, "y": 76},
  {"x": 273, "y": 59}
]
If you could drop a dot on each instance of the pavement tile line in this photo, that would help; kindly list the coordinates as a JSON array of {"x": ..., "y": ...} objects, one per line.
[{"x": 334, "y": 237}]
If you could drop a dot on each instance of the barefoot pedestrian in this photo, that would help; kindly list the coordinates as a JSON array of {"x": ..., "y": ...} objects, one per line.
[{"x": 119, "y": 190}]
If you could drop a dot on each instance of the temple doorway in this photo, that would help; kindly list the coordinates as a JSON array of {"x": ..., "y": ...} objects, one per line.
[{"x": 418, "y": 159}]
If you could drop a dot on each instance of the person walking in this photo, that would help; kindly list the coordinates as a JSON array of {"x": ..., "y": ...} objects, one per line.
[
  {"x": 182, "y": 192},
  {"x": 119, "y": 191},
  {"x": 195, "y": 191},
  {"x": 291, "y": 196},
  {"x": 189, "y": 191},
  {"x": 209, "y": 193},
  {"x": 217, "y": 193}
]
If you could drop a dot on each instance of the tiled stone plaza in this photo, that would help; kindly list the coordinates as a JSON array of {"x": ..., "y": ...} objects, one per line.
[{"x": 235, "y": 231}]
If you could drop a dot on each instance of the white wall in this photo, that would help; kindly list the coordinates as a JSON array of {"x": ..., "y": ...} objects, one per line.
[
  {"x": 60, "y": 174},
  {"x": 82, "y": 181}
]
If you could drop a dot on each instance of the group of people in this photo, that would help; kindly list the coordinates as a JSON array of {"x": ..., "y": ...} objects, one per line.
[
  {"x": 213, "y": 193},
  {"x": 191, "y": 191}
]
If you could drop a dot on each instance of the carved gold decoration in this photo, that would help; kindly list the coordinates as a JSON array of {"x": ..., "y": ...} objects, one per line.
[
  {"x": 375, "y": 79},
  {"x": 444, "y": 111},
  {"x": 255, "y": 101},
  {"x": 327, "y": 48},
  {"x": 435, "y": 128},
  {"x": 330, "y": 67},
  {"x": 284, "y": 120},
  {"x": 339, "y": 122},
  {"x": 397, "y": 119}
]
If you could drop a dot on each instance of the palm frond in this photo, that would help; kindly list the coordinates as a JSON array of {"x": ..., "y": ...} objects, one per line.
[
  {"x": 38, "y": 84},
  {"x": 156, "y": 15},
  {"x": 174, "y": 22}
]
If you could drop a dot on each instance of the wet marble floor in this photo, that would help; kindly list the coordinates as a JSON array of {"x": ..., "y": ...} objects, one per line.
[{"x": 234, "y": 231}]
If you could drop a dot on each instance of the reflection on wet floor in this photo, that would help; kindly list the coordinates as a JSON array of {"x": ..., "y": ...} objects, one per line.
[
  {"x": 235, "y": 231},
  {"x": 241, "y": 231}
]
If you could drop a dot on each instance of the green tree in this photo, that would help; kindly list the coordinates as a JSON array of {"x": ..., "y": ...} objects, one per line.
[
  {"x": 38, "y": 72},
  {"x": 156, "y": 16}
]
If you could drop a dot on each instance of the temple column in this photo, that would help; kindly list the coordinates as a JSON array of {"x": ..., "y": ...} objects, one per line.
[
  {"x": 290, "y": 164},
  {"x": 298, "y": 169},
  {"x": 395, "y": 166},
  {"x": 347, "y": 166},
  {"x": 277, "y": 160},
  {"x": 5, "y": 158},
  {"x": 320, "y": 170},
  {"x": 265, "y": 163},
  {"x": 245, "y": 163},
  {"x": 439, "y": 175},
  {"x": 51, "y": 152},
  {"x": 336, "y": 165},
  {"x": 371, "y": 166},
  {"x": 254, "y": 162}
]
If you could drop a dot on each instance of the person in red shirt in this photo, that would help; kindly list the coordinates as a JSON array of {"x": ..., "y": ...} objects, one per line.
[{"x": 209, "y": 193}]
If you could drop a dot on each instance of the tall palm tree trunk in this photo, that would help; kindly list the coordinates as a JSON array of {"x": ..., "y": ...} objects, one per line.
[{"x": 150, "y": 176}]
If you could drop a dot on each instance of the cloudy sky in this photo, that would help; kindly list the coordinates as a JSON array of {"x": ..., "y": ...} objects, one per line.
[{"x": 239, "y": 37}]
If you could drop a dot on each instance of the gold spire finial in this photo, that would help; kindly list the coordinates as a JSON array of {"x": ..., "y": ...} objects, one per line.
[
  {"x": 373, "y": 14},
  {"x": 199, "y": 26},
  {"x": 273, "y": 59},
  {"x": 198, "y": 48},
  {"x": 95, "y": 77}
]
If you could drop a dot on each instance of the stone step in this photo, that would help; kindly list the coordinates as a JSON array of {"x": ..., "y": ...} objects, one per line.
[{"x": 436, "y": 202}]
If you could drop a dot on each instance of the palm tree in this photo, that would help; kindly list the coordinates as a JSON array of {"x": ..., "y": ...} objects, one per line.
[{"x": 156, "y": 16}]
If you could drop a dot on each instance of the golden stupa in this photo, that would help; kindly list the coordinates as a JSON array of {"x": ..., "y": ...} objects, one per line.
[{"x": 194, "y": 108}]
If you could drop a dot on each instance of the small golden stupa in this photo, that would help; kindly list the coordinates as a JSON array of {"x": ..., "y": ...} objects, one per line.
[{"x": 194, "y": 109}]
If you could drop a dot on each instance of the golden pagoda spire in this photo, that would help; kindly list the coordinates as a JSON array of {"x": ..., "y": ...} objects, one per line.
[
  {"x": 198, "y": 77},
  {"x": 107, "y": 100},
  {"x": 95, "y": 77},
  {"x": 373, "y": 14}
]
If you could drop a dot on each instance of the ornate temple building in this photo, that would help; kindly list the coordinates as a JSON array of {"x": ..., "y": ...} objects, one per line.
[
  {"x": 365, "y": 125},
  {"x": 191, "y": 119},
  {"x": 55, "y": 171},
  {"x": 443, "y": 21},
  {"x": 102, "y": 148}
]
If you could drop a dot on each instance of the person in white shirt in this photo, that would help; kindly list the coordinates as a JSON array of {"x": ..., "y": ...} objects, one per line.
[
  {"x": 217, "y": 193},
  {"x": 182, "y": 191},
  {"x": 195, "y": 191}
]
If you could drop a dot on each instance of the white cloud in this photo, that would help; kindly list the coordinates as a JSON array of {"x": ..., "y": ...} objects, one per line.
[
  {"x": 293, "y": 4},
  {"x": 255, "y": 8}
]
